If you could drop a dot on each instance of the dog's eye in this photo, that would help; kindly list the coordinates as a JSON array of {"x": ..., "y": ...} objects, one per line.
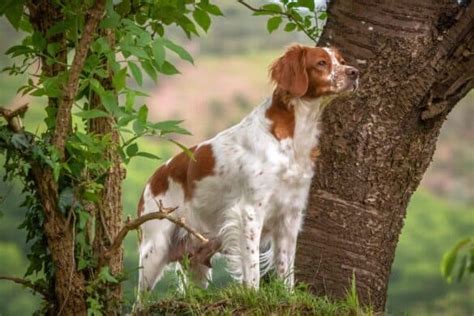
[
  {"x": 342, "y": 62},
  {"x": 322, "y": 63}
]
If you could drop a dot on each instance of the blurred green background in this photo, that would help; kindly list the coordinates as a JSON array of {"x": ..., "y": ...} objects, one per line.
[{"x": 228, "y": 79}]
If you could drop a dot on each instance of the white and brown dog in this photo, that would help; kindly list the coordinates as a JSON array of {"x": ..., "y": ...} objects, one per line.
[{"x": 246, "y": 189}]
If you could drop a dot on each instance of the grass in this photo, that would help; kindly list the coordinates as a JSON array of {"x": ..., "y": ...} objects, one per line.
[{"x": 271, "y": 299}]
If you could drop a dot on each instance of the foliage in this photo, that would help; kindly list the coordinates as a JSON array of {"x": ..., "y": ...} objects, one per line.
[
  {"x": 139, "y": 38},
  {"x": 301, "y": 15},
  {"x": 451, "y": 262}
]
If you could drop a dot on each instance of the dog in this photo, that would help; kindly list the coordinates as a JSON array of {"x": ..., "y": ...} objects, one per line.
[{"x": 246, "y": 189}]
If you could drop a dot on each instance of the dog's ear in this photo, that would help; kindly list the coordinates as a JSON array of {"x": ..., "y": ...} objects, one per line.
[{"x": 289, "y": 71}]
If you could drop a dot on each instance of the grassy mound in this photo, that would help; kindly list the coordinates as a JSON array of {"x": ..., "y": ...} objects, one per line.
[{"x": 271, "y": 299}]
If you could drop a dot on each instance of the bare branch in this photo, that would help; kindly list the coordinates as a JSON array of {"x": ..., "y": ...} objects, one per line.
[
  {"x": 162, "y": 213},
  {"x": 285, "y": 14},
  {"x": 12, "y": 116},
  {"x": 36, "y": 288},
  {"x": 63, "y": 117}
]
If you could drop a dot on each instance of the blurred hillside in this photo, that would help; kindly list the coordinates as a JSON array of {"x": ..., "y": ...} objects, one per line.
[{"x": 228, "y": 79}]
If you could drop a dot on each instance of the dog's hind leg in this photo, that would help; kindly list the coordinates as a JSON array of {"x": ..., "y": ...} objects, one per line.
[{"x": 154, "y": 255}]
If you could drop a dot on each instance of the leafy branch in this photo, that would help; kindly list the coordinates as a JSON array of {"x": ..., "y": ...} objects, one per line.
[
  {"x": 290, "y": 11},
  {"x": 63, "y": 117}
]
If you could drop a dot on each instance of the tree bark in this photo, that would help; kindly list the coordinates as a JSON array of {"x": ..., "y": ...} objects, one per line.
[
  {"x": 69, "y": 284},
  {"x": 417, "y": 61},
  {"x": 109, "y": 210}
]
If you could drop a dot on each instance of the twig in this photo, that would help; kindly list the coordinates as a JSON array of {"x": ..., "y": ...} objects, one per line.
[
  {"x": 12, "y": 117},
  {"x": 287, "y": 15},
  {"x": 162, "y": 213},
  {"x": 36, "y": 288},
  {"x": 181, "y": 223},
  {"x": 63, "y": 117}
]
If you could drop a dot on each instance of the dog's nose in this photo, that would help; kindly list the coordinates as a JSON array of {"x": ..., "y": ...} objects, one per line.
[{"x": 352, "y": 73}]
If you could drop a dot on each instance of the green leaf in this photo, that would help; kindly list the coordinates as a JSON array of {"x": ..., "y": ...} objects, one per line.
[
  {"x": 187, "y": 25},
  {"x": 149, "y": 69},
  {"x": 112, "y": 20},
  {"x": 132, "y": 149},
  {"x": 184, "y": 148},
  {"x": 13, "y": 12},
  {"x": 106, "y": 276},
  {"x": 159, "y": 51},
  {"x": 290, "y": 27},
  {"x": 212, "y": 9},
  {"x": 307, "y": 4},
  {"x": 167, "y": 127},
  {"x": 83, "y": 218},
  {"x": 129, "y": 101},
  {"x": 66, "y": 199},
  {"x": 180, "y": 51},
  {"x": 462, "y": 268},
  {"x": 109, "y": 101},
  {"x": 20, "y": 141},
  {"x": 124, "y": 120},
  {"x": 142, "y": 114},
  {"x": 83, "y": 263},
  {"x": 5, "y": 5},
  {"x": 91, "y": 114},
  {"x": 38, "y": 41},
  {"x": 273, "y": 7},
  {"x": 120, "y": 78},
  {"x": 323, "y": 16},
  {"x": 147, "y": 155},
  {"x": 202, "y": 18},
  {"x": 169, "y": 69},
  {"x": 136, "y": 72},
  {"x": 273, "y": 23},
  {"x": 449, "y": 259}
]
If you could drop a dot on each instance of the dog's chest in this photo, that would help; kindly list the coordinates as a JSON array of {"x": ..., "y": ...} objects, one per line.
[{"x": 286, "y": 164}]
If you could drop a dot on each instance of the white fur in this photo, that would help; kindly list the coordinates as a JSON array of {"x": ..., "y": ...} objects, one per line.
[{"x": 254, "y": 200}]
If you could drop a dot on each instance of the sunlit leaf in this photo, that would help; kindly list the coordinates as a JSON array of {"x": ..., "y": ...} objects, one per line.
[
  {"x": 273, "y": 23},
  {"x": 136, "y": 72}
]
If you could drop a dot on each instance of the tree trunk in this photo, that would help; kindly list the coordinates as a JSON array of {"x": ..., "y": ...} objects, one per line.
[
  {"x": 417, "y": 60},
  {"x": 109, "y": 210},
  {"x": 69, "y": 284}
]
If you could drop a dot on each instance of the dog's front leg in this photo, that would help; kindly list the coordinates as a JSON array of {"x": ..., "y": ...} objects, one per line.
[
  {"x": 250, "y": 244},
  {"x": 284, "y": 241}
]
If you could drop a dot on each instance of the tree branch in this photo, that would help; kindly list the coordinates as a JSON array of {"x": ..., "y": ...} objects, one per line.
[
  {"x": 63, "y": 117},
  {"x": 162, "y": 213},
  {"x": 36, "y": 288},
  {"x": 285, "y": 14},
  {"x": 12, "y": 117}
]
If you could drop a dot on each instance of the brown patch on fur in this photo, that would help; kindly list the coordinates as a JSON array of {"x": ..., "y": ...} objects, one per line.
[
  {"x": 303, "y": 72},
  {"x": 184, "y": 170},
  {"x": 319, "y": 75},
  {"x": 314, "y": 154},
  {"x": 289, "y": 71},
  {"x": 202, "y": 166},
  {"x": 282, "y": 116},
  {"x": 140, "y": 207}
]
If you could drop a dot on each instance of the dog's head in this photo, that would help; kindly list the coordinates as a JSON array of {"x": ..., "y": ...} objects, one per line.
[{"x": 312, "y": 72}]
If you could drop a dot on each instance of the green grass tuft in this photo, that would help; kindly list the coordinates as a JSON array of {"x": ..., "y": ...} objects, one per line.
[{"x": 271, "y": 299}]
